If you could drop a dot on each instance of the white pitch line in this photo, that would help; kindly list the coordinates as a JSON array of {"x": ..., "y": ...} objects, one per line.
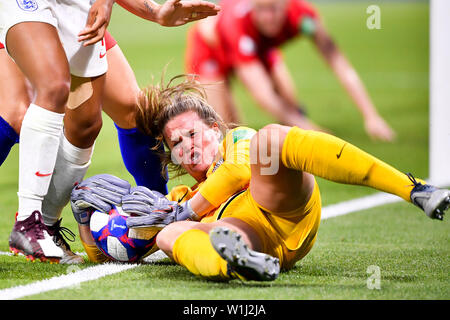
[
  {"x": 346, "y": 207},
  {"x": 96, "y": 272},
  {"x": 75, "y": 276},
  {"x": 68, "y": 280},
  {"x": 3, "y": 253}
]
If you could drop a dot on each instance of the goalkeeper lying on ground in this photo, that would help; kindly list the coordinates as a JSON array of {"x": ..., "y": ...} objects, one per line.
[{"x": 256, "y": 206}]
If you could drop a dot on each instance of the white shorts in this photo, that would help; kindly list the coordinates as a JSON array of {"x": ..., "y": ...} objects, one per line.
[{"x": 69, "y": 18}]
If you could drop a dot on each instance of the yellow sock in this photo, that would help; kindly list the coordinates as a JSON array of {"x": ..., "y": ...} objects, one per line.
[
  {"x": 94, "y": 254},
  {"x": 194, "y": 251},
  {"x": 334, "y": 159}
]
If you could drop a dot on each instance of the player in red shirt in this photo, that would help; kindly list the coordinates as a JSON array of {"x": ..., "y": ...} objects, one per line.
[{"x": 244, "y": 40}]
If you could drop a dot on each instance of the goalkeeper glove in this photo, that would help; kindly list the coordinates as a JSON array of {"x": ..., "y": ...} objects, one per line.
[
  {"x": 100, "y": 192},
  {"x": 154, "y": 210}
]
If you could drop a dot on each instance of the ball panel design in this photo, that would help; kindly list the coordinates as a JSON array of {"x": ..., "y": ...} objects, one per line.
[{"x": 115, "y": 240}]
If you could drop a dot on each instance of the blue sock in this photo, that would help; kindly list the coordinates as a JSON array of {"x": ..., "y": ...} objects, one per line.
[
  {"x": 141, "y": 162},
  {"x": 8, "y": 138}
]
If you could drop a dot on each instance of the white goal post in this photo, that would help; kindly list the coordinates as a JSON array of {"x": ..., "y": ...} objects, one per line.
[{"x": 439, "y": 152}]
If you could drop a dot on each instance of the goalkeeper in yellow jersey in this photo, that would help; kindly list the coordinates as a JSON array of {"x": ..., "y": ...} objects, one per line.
[{"x": 255, "y": 209}]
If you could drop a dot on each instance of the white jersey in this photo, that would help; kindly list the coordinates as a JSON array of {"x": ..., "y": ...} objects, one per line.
[{"x": 69, "y": 18}]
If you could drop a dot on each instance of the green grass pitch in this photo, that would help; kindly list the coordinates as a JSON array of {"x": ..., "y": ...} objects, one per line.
[{"x": 411, "y": 251}]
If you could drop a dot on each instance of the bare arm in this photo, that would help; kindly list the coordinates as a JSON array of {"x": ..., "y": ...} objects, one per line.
[
  {"x": 375, "y": 126},
  {"x": 284, "y": 83},
  {"x": 200, "y": 205},
  {"x": 172, "y": 12}
]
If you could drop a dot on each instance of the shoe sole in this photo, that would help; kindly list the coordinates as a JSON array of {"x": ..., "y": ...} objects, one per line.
[
  {"x": 32, "y": 258},
  {"x": 443, "y": 205},
  {"x": 252, "y": 265}
]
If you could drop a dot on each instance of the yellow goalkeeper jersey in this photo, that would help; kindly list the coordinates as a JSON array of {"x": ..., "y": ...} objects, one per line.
[{"x": 288, "y": 239}]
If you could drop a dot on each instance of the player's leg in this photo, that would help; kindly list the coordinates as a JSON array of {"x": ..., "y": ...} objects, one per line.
[
  {"x": 83, "y": 119},
  {"x": 15, "y": 97},
  {"x": 279, "y": 148},
  {"x": 219, "y": 96},
  {"x": 41, "y": 129},
  {"x": 43, "y": 120},
  {"x": 120, "y": 97},
  {"x": 199, "y": 247},
  {"x": 121, "y": 88},
  {"x": 82, "y": 124},
  {"x": 274, "y": 186}
]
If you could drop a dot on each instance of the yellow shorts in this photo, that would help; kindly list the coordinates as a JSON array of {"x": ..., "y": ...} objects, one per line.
[{"x": 288, "y": 239}]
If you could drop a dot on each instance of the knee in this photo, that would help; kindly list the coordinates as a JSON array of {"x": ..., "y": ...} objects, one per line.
[
  {"x": 54, "y": 92},
  {"x": 18, "y": 117},
  {"x": 15, "y": 100},
  {"x": 269, "y": 139},
  {"x": 166, "y": 238},
  {"x": 162, "y": 240},
  {"x": 13, "y": 113},
  {"x": 89, "y": 129},
  {"x": 84, "y": 131}
]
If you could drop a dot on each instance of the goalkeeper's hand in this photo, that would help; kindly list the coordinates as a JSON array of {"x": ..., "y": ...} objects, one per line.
[
  {"x": 100, "y": 192},
  {"x": 154, "y": 210}
]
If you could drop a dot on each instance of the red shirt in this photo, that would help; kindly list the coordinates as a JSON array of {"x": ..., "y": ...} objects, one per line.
[
  {"x": 240, "y": 38},
  {"x": 240, "y": 41}
]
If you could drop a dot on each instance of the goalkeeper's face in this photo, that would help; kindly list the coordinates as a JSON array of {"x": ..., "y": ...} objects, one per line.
[{"x": 193, "y": 143}]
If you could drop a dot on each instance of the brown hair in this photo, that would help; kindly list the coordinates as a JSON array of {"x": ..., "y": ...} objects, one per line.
[{"x": 158, "y": 104}]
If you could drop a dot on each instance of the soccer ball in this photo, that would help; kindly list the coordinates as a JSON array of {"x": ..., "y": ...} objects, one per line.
[{"x": 117, "y": 241}]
